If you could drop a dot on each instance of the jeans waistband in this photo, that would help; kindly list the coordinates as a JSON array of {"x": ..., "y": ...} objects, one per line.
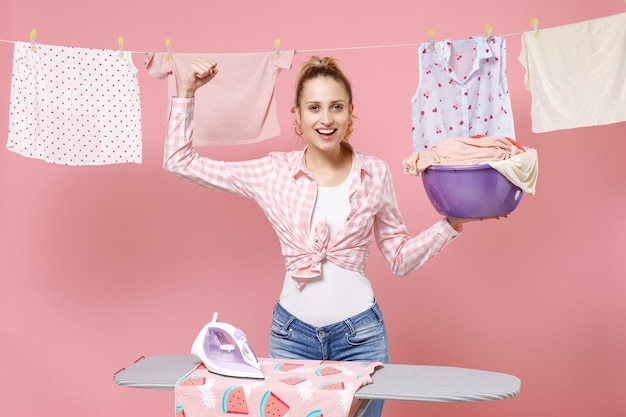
[{"x": 372, "y": 313}]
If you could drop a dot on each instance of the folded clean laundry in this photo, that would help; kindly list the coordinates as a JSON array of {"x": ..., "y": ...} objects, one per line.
[
  {"x": 519, "y": 164},
  {"x": 239, "y": 105},
  {"x": 464, "y": 151},
  {"x": 74, "y": 106},
  {"x": 575, "y": 74},
  {"x": 521, "y": 169}
]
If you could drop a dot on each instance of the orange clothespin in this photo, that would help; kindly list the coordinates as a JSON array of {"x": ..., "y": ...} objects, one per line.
[
  {"x": 431, "y": 38},
  {"x": 276, "y": 48},
  {"x": 489, "y": 31},
  {"x": 33, "y": 40},
  {"x": 534, "y": 24},
  {"x": 120, "y": 45},
  {"x": 168, "y": 49}
]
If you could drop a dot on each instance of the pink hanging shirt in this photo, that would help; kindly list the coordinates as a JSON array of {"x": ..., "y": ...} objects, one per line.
[{"x": 238, "y": 106}]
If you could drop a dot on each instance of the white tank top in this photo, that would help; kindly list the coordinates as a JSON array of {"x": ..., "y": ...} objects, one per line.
[{"x": 337, "y": 293}]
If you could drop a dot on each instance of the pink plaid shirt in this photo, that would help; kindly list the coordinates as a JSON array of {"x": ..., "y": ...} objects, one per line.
[{"x": 283, "y": 187}]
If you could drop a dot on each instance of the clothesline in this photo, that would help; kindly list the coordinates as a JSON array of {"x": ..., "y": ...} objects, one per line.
[
  {"x": 397, "y": 45},
  {"x": 534, "y": 27}
]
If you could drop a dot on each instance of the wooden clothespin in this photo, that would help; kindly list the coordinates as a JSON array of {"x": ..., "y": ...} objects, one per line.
[
  {"x": 489, "y": 31},
  {"x": 120, "y": 45},
  {"x": 276, "y": 48},
  {"x": 168, "y": 49},
  {"x": 431, "y": 38},
  {"x": 534, "y": 24},
  {"x": 33, "y": 40}
]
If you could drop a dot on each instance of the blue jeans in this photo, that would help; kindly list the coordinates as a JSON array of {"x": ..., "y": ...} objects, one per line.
[{"x": 359, "y": 338}]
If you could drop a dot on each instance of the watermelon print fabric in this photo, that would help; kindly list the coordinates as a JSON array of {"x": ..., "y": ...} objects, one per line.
[{"x": 291, "y": 388}]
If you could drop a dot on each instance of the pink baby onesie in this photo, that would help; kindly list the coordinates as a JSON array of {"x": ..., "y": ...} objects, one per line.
[
  {"x": 74, "y": 106},
  {"x": 462, "y": 91},
  {"x": 238, "y": 106}
]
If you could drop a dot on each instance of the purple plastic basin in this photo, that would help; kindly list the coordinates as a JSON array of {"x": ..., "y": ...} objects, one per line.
[{"x": 470, "y": 191}]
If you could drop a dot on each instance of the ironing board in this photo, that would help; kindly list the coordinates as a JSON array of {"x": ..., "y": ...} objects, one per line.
[{"x": 391, "y": 382}]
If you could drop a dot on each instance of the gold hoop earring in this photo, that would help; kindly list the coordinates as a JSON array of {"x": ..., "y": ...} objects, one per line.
[
  {"x": 349, "y": 130},
  {"x": 298, "y": 128}
]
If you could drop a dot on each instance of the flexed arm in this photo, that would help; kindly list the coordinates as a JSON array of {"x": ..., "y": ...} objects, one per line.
[{"x": 200, "y": 72}]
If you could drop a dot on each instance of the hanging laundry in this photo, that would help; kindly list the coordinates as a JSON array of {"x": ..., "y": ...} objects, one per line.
[
  {"x": 462, "y": 91},
  {"x": 74, "y": 106},
  {"x": 576, "y": 74},
  {"x": 238, "y": 106}
]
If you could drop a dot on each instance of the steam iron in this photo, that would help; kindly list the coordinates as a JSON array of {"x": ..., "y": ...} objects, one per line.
[{"x": 224, "y": 350}]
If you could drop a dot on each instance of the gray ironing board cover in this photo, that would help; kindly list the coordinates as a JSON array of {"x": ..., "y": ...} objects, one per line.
[{"x": 391, "y": 382}]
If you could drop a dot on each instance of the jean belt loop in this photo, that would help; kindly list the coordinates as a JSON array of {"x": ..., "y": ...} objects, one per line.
[
  {"x": 376, "y": 309},
  {"x": 291, "y": 317},
  {"x": 350, "y": 326},
  {"x": 288, "y": 324}
]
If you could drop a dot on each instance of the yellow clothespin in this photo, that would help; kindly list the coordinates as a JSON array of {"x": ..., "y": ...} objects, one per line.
[
  {"x": 33, "y": 40},
  {"x": 431, "y": 37},
  {"x": 276, "y": 48},
  {"x": 534, "y": 23},
  {"x": 168, "y": 49},
  {"x": 120, "y": 45},
  {"x": 489, "y": 30}
]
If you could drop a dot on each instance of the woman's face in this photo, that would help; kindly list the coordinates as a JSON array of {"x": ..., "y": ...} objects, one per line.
[{"x": 324, "y": 112}]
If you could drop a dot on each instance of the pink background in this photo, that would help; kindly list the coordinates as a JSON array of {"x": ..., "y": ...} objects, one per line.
[{"x": 100, "y": 265}]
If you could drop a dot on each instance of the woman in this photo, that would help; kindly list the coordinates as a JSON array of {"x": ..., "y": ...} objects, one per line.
[{"x": 326, "y": 203}]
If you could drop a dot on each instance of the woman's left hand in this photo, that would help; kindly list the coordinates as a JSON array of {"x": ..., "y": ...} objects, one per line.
[{"x": 457, "y": 222}]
